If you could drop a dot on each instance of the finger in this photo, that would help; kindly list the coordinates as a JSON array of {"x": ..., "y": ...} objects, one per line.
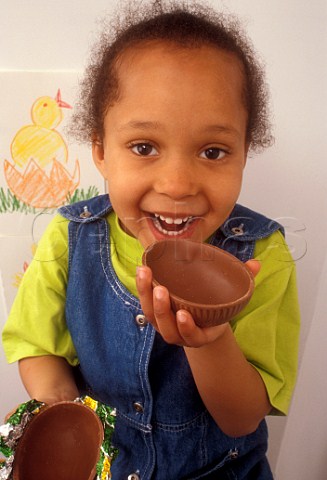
[
  {"x": 254, "y": 266},
  {"x": 165, "y": 317},
  {"x": 191, "y": 334},
  {"x": 145, "y": 291},
  {"x": 194, "y": 336}
]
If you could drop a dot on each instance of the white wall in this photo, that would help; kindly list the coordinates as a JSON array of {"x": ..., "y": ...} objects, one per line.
[
  {"x": 288, "y": 181},
  {"x": 305, "y": 435}
]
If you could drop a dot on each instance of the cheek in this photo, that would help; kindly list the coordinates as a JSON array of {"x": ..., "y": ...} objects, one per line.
[
  {"x": 118, "y": 183},
  {"x": 124, "y": 198},
  {"x": 227, "y": 187},
  {"x": 120, "y": 175}
]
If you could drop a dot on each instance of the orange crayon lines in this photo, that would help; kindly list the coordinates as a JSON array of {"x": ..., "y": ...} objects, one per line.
[{"x": 37, "y": 188}]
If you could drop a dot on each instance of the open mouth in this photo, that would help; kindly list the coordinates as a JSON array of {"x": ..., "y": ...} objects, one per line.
[{"x": 172, "y": 226}]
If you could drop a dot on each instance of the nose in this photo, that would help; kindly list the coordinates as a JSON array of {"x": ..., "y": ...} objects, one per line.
[{"x": 177, "y": 178}]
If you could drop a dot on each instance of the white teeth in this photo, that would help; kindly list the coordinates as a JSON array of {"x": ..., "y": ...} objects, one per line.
[{"x": 170, "y": 221}]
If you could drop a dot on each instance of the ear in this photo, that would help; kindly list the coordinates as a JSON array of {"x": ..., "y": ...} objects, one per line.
[{"x": 98, "y": 156}]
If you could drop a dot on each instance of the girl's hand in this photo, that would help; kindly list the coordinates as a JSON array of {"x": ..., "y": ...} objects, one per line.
[{"x": 179, "y": 329}]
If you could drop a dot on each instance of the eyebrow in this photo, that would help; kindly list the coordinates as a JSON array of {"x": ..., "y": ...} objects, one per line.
[
  {"x": 140, "y": 125},
  {"x": 152, "y": 125},
  {"x": 221, "y": 129}
]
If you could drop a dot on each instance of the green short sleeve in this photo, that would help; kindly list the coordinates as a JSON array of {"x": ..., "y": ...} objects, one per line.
[
  {"x": 267, "y": 330},
  {"x": 36, "y": 324}
]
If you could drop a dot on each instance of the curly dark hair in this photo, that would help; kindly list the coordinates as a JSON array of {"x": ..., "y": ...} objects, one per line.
[{"x": 186, "y": 23}]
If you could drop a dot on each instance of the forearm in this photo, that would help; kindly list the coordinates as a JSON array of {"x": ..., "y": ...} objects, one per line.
[
  {"x": 48, "y": 378},
  {"x": 230, "y": 387}
]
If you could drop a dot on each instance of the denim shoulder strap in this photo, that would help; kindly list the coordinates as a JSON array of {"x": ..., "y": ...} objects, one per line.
[
  {"x": 87, "y": 211},
  {"x": 242, "y": 229}
]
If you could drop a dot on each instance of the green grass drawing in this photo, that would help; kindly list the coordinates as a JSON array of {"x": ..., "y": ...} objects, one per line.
[{"x": 9, "y": 203}]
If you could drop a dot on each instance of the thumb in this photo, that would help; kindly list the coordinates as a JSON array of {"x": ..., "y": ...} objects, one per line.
[{"x": 254, "y": 266}]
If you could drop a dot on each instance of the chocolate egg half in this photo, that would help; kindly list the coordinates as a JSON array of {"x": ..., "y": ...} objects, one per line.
[
  {"x": 62, "y": 442},
  {"x": 213, "y": 285}
]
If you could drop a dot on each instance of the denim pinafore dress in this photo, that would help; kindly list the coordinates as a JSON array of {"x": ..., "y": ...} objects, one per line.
[{"x": 163, "y": 430}]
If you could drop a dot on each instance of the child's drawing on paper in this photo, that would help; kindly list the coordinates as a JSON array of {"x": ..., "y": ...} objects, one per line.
[
  {"x": 40, "y": 167},
  {"x": 37, "y": 176}
]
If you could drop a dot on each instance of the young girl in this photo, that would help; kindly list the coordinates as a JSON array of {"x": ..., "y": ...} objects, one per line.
[{"x": 172, "y": 103}]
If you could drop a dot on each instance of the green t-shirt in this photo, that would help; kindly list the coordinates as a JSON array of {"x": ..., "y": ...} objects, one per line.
[{"x": 267, "y": 330}]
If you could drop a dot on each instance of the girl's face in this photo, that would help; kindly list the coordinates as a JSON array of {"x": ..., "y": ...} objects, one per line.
[{"x": 174, "y": 147}]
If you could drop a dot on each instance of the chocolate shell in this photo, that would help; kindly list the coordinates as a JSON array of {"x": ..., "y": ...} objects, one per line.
[
  {"x": 207, "y": 281},
  {"x": 62, "y": 442}
]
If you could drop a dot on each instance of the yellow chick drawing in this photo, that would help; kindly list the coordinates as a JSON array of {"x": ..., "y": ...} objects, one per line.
[
  {"x": 41, "y": 141},
  {"x": 33, "y": 149}
]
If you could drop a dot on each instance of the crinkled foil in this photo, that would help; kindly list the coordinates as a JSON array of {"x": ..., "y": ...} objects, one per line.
[
  {"x": 11, "y": 432},
  {"x": 108, "y": 452},
  {"x": 6, "y": 468}
]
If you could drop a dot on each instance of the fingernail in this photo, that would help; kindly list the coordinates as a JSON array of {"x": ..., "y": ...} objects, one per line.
[
  {"x": 140, "y": 273},
  {"x": 181, "y": 316},
  {"x": 159, "y": 293}
]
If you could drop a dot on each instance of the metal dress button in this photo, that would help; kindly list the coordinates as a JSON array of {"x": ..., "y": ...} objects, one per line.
[
  {"x": 133, "y": 476},
  {"x": 233, "y": 454},
  {"x": 138, "y": 407},
  {"x": 85, "y": 213},
  {"x": 141, "y": 320},
  {"x": 238, "y": 230}
]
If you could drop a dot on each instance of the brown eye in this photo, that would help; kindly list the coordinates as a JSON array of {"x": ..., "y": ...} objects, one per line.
[
  {"x": 213, "y": 153},
  {"x": 144, "y": 149}
]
